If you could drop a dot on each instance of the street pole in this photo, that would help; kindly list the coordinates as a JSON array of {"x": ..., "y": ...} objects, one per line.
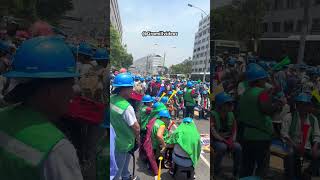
[
  {"x": 205, "y": 67},
  {"x": 305, "y": 29}
]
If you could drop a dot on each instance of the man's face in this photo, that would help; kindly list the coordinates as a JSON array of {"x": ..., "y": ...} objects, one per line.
[
  {"x": 60, "y": 94},
  {"x": 126, "y": 92}
]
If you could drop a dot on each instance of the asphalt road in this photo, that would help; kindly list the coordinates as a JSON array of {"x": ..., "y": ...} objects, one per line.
[{"x": 202, "y": 170}]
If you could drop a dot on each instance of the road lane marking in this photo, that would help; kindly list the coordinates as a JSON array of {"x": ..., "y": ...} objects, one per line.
[{"x": 201, "y": 156}]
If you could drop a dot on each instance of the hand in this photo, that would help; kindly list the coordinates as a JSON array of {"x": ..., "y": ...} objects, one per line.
[{"x": 163, "y": 150}]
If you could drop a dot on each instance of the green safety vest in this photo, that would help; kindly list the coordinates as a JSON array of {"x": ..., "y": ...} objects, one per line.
[
  {"x": 230, "y": 119},
  {"x": 103, "y": 158},
  {"x": 254, "y": 125},
  {"x": 125, "y": 139},
  {"x": 27, "y": 137},
  {"x": 188, "y": 98},
  {"x": 294, "y": 124},
  {"x": 157, "y": 124},
  {"x": 144, "y": 118}
]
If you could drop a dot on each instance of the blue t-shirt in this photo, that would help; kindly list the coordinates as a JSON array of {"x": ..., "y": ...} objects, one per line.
[{"x": 113, "y": 164}]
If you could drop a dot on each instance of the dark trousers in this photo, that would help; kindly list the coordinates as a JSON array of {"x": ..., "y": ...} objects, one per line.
[
  {"x": 189, "y": 111},
  {"x": 254, "y": 155}
]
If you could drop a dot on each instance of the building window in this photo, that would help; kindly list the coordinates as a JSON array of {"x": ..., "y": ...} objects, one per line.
[
  {"x": 264, "y": 27},
  {"x": 290, "y": 4},
  {"x": 299, "y": 26},
  {"x": 316, "y": 25},
  {"x": 276, "y": 26},
  {"x": 288, "y": 26}
]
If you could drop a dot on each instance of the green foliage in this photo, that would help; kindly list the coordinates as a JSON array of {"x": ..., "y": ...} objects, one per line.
[
  {"x": 49, "y": 10},
  {"x": 118, "y": 54},
  {"x": 239, "y": 21},
  {"x": 183, "y": 68}
]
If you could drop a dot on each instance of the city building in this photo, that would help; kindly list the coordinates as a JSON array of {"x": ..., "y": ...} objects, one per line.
[
  {"x": 115, "y": 16},
  {"x": 220, "y": 3},
  {"x": 151, "y": 64},
  {"x": 201, "y": 50},
  {"x": 284, "y": 18},
  {"x": 87, "y": 21}
]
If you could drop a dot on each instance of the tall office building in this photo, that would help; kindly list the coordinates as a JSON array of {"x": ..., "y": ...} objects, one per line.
[
  {"x": 115, "y": 16},
  {"x": 201, "y": 50},
  {"x": 150, "y": 64}
]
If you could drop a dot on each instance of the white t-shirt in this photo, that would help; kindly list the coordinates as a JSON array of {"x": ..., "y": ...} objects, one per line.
[
  {"x": 62, "y": 163},
  {"x": 129, "y": 116}
]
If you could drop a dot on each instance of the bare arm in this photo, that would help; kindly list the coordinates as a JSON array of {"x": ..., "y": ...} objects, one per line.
[
  {"x": 160, "y": 135},
  {"x": 136, "y": 129}
]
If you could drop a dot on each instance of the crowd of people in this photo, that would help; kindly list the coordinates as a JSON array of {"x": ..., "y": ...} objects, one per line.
[
  {"x": 43, "y": 74},
  {"x": 143, "y": 111},
  {"x": 263, "y": 108}
]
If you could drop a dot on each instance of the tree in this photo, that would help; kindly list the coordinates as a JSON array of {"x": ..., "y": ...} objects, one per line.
[
  {"x": 118, "y": 54},
  {"x": 240, "y": 21},
  {"x": 183, "y": 68},
  {"x": 49, "y": 10}
]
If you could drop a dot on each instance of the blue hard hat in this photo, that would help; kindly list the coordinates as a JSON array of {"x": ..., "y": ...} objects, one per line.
[
  {"x": 158, "y": 79},
  {"x": 5, "y": 46},
  {"x": 189, "y": 84},
  {"x": 232, "y": 61},
  {"x": 136, "y": 78},
  {"x": 303, "y": 97},
  {"x": 170, "y": 92},
  {"x": 164, "y": 99},
  {"x": 164, "y": 113},
  {"x": 123, "y": 80},
  {"x": 156, "y": 104},
  {"x": 252, "y": 60},
  {"x": 255, "y": 72},
  {"x": 141, "y": 79},
  {"x": 204, "y": 92},
  {"x": 101, "y": 54},
  {"x": 43, "y": 57},
  {"x": 85, "y": 49},
  {"x": 187, "y": 120},
  {"x": 147, "y": 98},
  {"x": 222, "y": 98},
  {"x": 180, "y": 92}
]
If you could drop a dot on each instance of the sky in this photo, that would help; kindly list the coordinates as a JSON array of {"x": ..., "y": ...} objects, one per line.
[{"x": 161, "y": 15}]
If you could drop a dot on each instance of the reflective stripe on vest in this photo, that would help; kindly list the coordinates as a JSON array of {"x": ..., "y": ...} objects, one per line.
[
  {"x": 19, "y": 149},
  {"x": 116, "y": 109}
]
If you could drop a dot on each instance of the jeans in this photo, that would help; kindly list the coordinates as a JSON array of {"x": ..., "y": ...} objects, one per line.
[
  {"x": 292, "y": 164},
  {"x": 220, "y": 150},
  {"x": 181, "y": 162},
  {"x": 255, "y": 155},
  {"x": 123, "y": 160},
  {"x": 189, "y": 111}
]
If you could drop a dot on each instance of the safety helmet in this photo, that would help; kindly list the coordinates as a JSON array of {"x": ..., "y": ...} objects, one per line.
[
  {"x": 5, "y": 46},
  {"x": 255, "y": 72},
  {"x": 164, "y": 113},
  {"x": 204, "y": 92},
  {"x": 170, "y": 92},
  {"x": 158, "y": 79},
  {"x": 123, "y": 70},
  {"x": 232, "y": 61},
  {"x": 164, "y": 99},
  {"x": 189, "y": 84},
  {"x": 187, "y": 120},
  {"x": 123, "y": 80},
  {"x": 136, "y": 78},
  {"x": 222, "y": 98},
  {"x": 141, "y": 79},
  {"x": 85, "y": 49},
  {"x": 43, "y": 57},
  {"x": 147, "y": 98},
  {"x": 303, "y": 97},
  {"x": 180, "y": 92},
  {"x": 101, "y": 54}
]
